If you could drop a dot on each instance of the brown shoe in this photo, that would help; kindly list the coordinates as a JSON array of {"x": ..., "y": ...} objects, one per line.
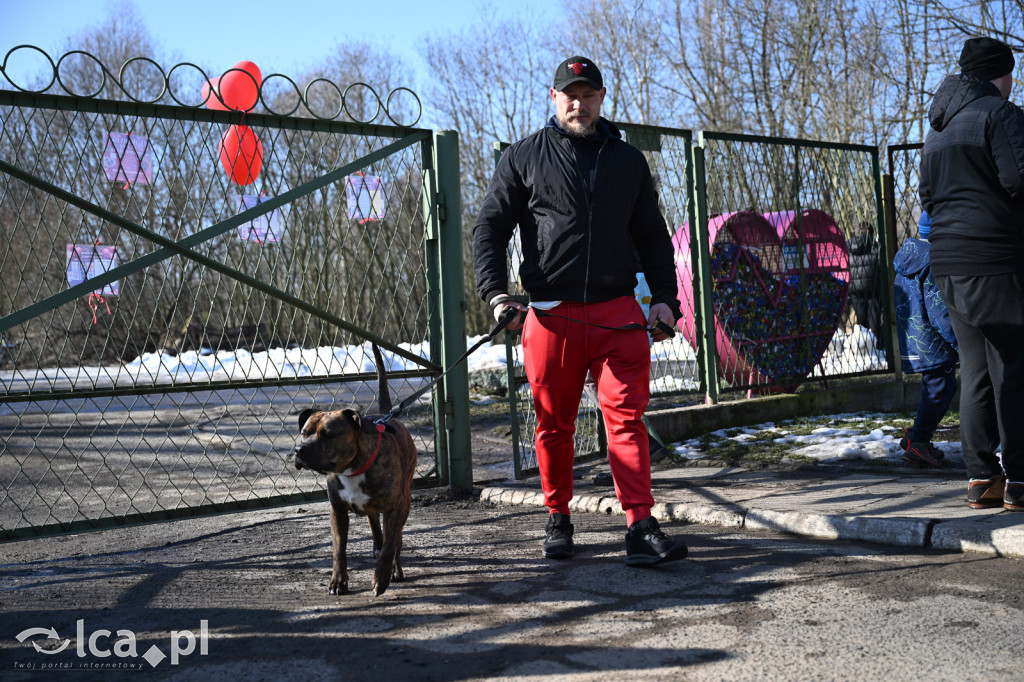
[
  {"x": 984, "y": 493},
  {"x": 1013, "y": 496}
]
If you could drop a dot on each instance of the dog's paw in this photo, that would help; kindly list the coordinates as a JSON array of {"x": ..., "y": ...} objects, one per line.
[
  {"x": 338, "y": 585},
  {"x": 380, "y": 584}
]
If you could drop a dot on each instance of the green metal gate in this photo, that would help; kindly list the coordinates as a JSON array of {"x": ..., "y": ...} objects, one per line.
[{"x": 178, "y": 282}]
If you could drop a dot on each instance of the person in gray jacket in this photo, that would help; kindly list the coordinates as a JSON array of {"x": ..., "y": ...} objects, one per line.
[{"x": 972, "y": 186}]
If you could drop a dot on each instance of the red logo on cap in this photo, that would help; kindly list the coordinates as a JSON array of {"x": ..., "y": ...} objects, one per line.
[{"x": 577, "y": 68}]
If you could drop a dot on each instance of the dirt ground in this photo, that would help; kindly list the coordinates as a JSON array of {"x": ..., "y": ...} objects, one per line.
[{"x": 244, "y": 596}]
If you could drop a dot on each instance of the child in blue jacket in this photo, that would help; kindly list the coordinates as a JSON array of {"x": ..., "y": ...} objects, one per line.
[{"x": 927, "y": 344}]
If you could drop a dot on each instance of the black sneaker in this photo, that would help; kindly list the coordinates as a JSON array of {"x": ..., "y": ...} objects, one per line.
[
  {"x": 558, "y": 543},
  {"x": 647, "y": 545},
  {"x": 921, "y": 453}
]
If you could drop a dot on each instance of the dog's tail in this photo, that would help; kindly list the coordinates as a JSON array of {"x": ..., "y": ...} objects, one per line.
[{"x": 383, "y": 394}]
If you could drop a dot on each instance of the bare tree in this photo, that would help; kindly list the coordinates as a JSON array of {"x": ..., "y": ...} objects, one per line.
[
  {"x": 955, "y": 20},
  {"x": 491, "y": 86},
  {"x": 357, "y": 268},
  {"x": 627, "y": 42}
]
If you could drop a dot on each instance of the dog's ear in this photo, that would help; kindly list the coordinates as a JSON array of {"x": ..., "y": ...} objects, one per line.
[
  {"x": 305, "y": 415},
  {"x": 353, "y": 417}
]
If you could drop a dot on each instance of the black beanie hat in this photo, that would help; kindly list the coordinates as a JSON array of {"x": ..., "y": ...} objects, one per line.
[{"x": 986, "y": 58}]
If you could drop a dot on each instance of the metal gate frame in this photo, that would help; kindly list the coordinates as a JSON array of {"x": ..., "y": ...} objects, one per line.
[{"x": 441, "y": 208}]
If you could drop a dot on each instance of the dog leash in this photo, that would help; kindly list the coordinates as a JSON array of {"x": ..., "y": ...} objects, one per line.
[{"x": 509, "y": 315}]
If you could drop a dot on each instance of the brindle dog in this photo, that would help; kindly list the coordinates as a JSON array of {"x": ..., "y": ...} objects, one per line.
[{"x": 369, "y": 470}]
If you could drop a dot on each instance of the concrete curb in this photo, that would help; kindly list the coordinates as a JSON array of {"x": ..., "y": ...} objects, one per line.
[
  {"x": 1003, "y": 536},
  {"x": 902, "y": 532},
  {"x": 992, "y": 539}
]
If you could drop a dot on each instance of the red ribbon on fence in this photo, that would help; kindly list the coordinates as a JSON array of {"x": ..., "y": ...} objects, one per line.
[{"x": 95, "y": 306}]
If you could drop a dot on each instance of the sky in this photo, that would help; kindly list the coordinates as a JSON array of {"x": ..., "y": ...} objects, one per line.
[{"x": 282, "y": 37}]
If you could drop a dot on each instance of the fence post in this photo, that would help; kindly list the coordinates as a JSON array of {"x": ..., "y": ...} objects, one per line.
[
  {"x": 889, "y": 244},
  {"x": 453, "y": 310},
  {"x": 703, "y": 305},
  {"x": 432, "y": 223}
]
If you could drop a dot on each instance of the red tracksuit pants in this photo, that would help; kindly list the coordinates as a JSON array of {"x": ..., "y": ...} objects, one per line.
[{"x": 557, "y": 353}]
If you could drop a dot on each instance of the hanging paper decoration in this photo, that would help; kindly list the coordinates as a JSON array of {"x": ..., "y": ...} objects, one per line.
[
  {"x": 265, "y": 228},
  {"x": 366, "y": 198},
  {"x": 238, "y": 87},
  {"x": 241, "y": 154},
  {"x": 128, "y": 158},
  {"x": 86, "y": 261}
]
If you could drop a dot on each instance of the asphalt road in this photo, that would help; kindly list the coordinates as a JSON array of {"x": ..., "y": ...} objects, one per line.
[{"x": 480, "y": 603}]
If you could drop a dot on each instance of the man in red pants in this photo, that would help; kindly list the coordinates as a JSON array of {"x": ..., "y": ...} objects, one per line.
[{"x": 588, "y": 215}]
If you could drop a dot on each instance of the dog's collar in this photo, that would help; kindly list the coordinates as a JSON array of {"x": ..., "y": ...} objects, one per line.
[{"x": 369, "y": 463}]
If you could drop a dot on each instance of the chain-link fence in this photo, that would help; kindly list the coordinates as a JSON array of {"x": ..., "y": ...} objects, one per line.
[
  {"x": 178, "y": 281},
  {"x": 796, "y": 260},
  {"x": 905, "y": 171}
]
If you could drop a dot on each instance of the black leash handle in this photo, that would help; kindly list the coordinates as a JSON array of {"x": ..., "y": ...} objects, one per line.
[{"x": 506, "y": 318}]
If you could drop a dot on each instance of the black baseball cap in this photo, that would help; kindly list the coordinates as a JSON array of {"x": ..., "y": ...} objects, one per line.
[{"x": 577, "y": 70}]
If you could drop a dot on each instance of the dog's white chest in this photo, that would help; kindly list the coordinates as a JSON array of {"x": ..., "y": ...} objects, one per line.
[{"x": 351, "y": 491}]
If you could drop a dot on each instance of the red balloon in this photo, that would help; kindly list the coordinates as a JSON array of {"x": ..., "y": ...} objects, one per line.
[
  {"x": 241, "y": 154},
  {"x": 210, "y": 88},
  {"x": 239, "y": 88}
]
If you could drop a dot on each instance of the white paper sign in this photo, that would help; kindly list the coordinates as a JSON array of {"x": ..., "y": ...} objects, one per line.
[
  {"x": 366, "y": 199},
  {"x": 86, "y": 261},
  {"x": 128, "y": 158},
  {"x": 265, "y": 228}
]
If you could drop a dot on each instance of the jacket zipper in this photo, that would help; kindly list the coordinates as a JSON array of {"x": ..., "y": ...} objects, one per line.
[{"x": 590, "y": 220}]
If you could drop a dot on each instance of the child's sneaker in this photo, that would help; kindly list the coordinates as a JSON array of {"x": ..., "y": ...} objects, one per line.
[{"x": 921, "y": 453}]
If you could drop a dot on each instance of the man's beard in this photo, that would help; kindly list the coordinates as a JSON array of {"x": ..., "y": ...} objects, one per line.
[{"x": 577, "y": 127}]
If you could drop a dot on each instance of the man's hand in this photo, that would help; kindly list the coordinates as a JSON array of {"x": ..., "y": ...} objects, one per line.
[
  {"x": 502, "y": 302},
  {"x": 660, "y": 312}
]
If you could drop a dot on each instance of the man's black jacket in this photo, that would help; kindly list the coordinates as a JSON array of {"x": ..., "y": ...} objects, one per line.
[
  {"x": 578, "y": 242},
  {"x": 972, "y": 179}
]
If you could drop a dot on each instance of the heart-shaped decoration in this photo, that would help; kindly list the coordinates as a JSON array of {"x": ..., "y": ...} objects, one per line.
[{"x": 780, "y": 283}]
